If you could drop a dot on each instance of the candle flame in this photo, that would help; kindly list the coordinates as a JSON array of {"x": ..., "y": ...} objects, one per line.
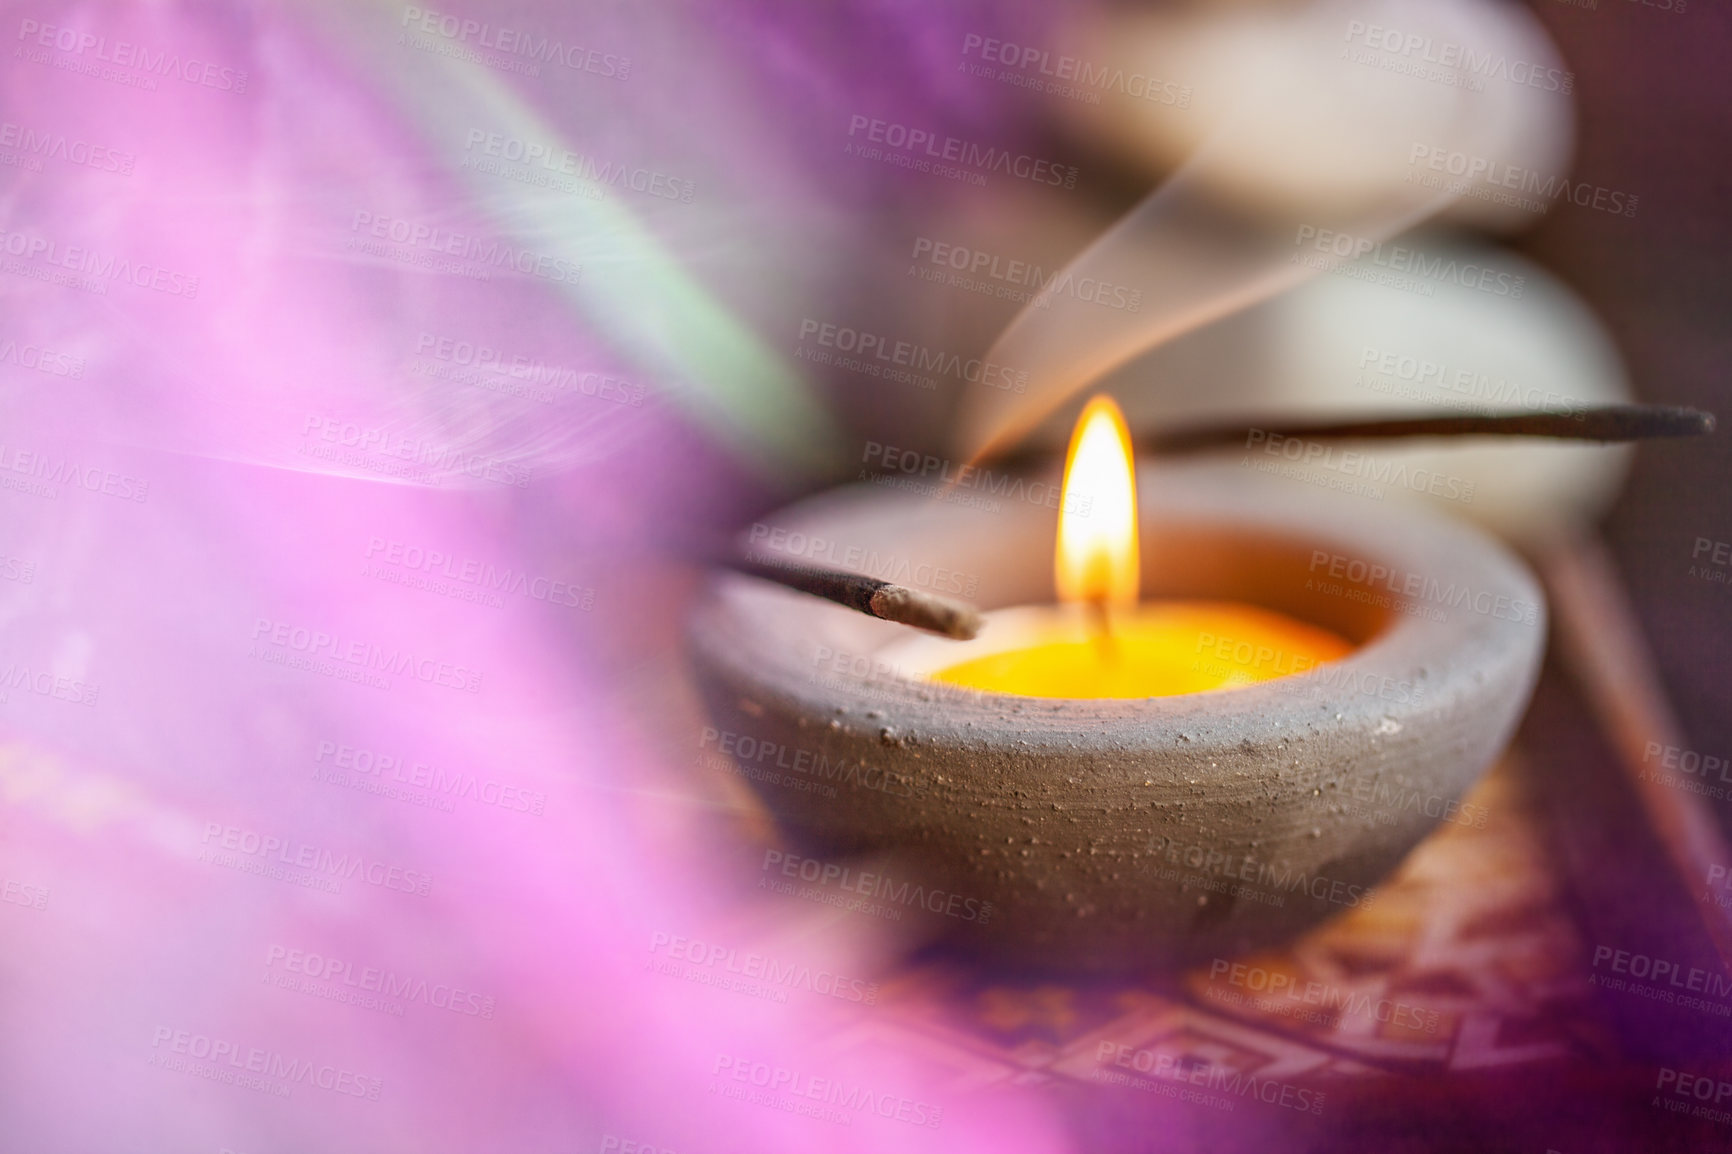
[{"x": 1096, "y": 559}]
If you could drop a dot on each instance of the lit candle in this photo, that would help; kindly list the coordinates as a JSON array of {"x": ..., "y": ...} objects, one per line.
[{"x": 1099, "y": 641}]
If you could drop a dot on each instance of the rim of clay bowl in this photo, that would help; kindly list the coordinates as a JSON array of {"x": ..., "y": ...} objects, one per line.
[{"x": 1438, "y": 602}]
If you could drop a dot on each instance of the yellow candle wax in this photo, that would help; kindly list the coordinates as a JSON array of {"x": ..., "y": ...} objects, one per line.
[
  {"x": 1101, "y": 642},
  {"x": 1153, "y": 650}
]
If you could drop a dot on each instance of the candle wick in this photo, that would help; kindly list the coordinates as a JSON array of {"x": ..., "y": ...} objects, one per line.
[{"x": 1105, "y": 643}]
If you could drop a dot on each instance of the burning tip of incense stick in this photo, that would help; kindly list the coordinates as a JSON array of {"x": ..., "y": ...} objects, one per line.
[
  {"x": 881, "y": 599},
  {"x": 926, "y": 611}
]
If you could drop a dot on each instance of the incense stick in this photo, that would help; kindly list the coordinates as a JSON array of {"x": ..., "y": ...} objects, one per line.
[
  {"x": 1604, "y": 423},
  {"x": 881, "y": 599},
  {"x": 1604, "y": 646}
]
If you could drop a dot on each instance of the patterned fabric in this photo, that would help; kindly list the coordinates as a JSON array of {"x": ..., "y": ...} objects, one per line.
[{"x": 1467, "y": 961}]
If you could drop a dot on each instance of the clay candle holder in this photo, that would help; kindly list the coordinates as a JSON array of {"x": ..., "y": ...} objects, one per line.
[{"x": 1117, "y": 835}]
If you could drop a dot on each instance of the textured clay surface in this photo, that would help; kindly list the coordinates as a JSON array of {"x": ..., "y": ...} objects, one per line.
[{"x": 1114, "y": 836}]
